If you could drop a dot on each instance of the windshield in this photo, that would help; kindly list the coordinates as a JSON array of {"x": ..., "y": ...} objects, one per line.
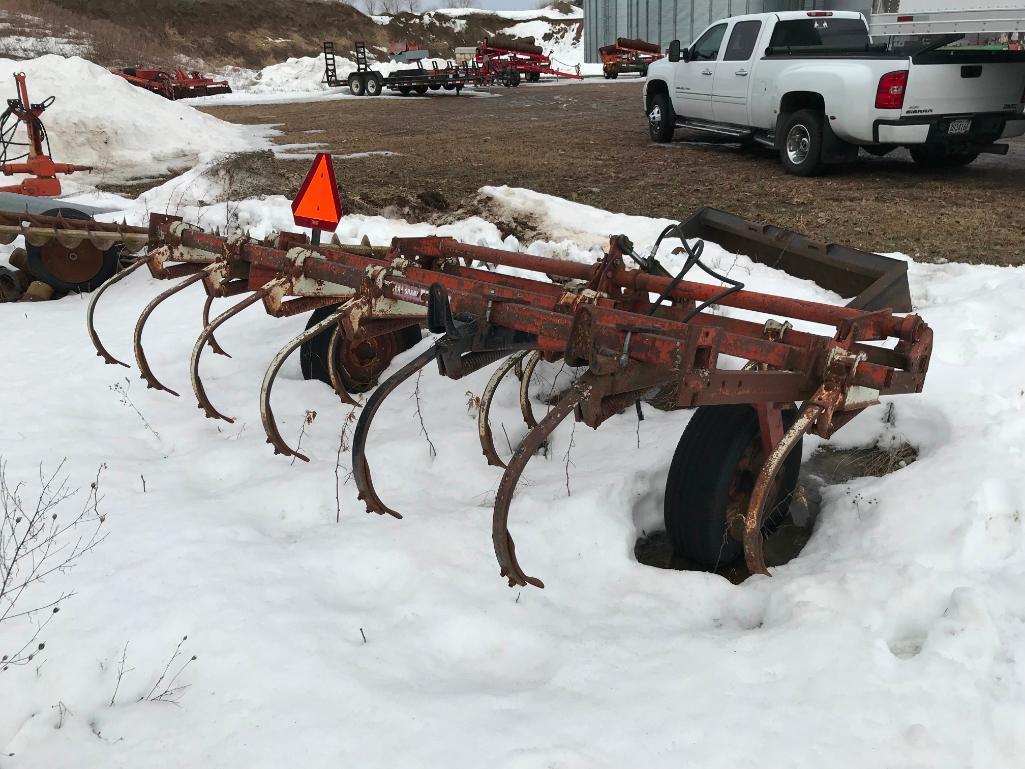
[{"x": 821, "y": 32}]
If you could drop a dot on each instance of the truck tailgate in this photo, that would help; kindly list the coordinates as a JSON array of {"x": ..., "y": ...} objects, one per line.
[{"x": 959, "y": 88}]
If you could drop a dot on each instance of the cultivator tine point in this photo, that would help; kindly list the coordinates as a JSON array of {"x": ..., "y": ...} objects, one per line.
[
  {"x": 332, "y": 369},
  {"x": 207, "y": 334},
  {"x": 765, "y": 488},
  {"x": 487, "y": 441},
  {"x": 528, "y": 371},
  {"x": 212, "y": 341},
  {"x": 270, "y": 426},
  {"x": 360, "y": 468},
  {"x": 140, "y": 354},
  {"x": 90, "y": 314},
  {"x": 505, "y": 549}
]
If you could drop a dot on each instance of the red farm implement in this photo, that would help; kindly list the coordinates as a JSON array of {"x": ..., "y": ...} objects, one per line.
[
  {"x": 35, "y": 161},
  {"x": 510, "y": 61},
  {"x": 179, "y": 84},
  {"x": 626, "y": 55},
  {"x": 631, "y": 334}
]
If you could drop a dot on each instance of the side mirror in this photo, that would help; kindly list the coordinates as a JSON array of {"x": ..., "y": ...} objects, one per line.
[
  {"x": 674, "y": 51},
  {"x": 685, "y": 54}
]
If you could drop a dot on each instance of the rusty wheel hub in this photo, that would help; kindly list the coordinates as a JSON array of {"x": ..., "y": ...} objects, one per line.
[
  {"x": 742, "y": 485},
  {"x": 360, "y": 364},
  {"x": 72, "y": 265}
]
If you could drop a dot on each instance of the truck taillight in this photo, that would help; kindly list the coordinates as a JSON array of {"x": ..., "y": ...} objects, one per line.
[
  {"x": 820, "y": 13},
  {"x": 890, "y": 93}
]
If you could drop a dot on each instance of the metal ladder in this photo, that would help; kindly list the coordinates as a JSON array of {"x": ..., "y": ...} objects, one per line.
[
  {"x": 330, "y": 72},
  {"x": 361, "y": 56}
]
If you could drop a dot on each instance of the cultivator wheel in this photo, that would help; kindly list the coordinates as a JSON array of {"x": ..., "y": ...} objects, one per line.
[
  {"x": 79, "y": 269},
  {"x": 711, "y": 480},
  {"x": 360, "y": 364}
]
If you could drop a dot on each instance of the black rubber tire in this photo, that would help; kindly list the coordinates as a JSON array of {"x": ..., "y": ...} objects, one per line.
[
  {"x": 929, "y": 156},
  {"x": 700, "y": 477},
  {"x": 661, "y": 124},
  {"x": 405, "y": 90},
  {"x": 313, "y": 353},
  {"x": 613, "y": 75},
  {"x": 357, "y": 86},
  {"x": 811, "y": 121},
  {"x": 434, "y": 86},
  {"x": 373, "y": 86},
  {"x": 37, "y": 267},
  {"x": 420, "y": 89}
]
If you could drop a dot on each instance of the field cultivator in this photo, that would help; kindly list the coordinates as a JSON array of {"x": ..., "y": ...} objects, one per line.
[
  {"x": 632, "y": 333},
  {"x": 507, "y": 62},
  {"x": 180, "y": 84},
  {"x": 627, "y": 55}
]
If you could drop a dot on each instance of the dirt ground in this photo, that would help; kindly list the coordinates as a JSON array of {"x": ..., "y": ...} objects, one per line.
[{"x": 588, "y": 142}]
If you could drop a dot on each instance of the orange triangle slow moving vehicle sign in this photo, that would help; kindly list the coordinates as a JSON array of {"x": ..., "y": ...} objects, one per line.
[{"x": 317, "y": 205}]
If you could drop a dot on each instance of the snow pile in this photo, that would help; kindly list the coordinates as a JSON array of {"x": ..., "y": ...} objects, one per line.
[
  {"x": 100, "y": 119},
  {"x": 563, "y": 43},
  {"x": 894, "y": 639}
]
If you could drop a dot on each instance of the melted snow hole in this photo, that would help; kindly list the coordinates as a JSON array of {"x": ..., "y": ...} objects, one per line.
[{"x": 827, "y": 466}]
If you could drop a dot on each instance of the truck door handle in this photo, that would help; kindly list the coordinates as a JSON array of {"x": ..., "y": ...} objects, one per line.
[
  {"x": 741, "y": 72},
  {"x": 706, "y": 72}
]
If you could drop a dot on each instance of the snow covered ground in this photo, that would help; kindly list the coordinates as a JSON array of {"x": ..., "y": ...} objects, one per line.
[{"x": 894, "y": 639}]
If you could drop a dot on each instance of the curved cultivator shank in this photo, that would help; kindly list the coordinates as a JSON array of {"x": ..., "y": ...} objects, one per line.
[
  {"x": 206, "y": 336},
  {"x": 266, "y": 414},
  {"x": 598, "y": 318},
  {"x": 505, "y": 550},
  {"x": 332, "y": 368},
  {"x": 90, "y": 314},
  {"x": 360, "y": 468},
  {"x": 140, "y": 353},
  {"x": 487, "y": 440}
]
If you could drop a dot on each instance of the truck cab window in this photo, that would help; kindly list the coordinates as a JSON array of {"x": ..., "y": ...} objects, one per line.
[
  {"x": 707, "y": 46},
  {"x": 820, "y": 33},
  {"x": 742, "y": 41}
]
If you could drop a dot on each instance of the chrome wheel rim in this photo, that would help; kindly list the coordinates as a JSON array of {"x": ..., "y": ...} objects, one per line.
[
  {"x": 655, "y": 117},
  {"x": 798, "y": 144}
]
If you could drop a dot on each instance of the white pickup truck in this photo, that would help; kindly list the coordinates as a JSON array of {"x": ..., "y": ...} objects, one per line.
[{"x": 814, "y": 86}]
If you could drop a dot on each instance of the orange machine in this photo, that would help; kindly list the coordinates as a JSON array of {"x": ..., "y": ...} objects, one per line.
[{"x": 35, "y": 161}]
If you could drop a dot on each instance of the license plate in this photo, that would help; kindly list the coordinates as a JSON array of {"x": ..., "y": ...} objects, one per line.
[{"x": 962, "y": 126}]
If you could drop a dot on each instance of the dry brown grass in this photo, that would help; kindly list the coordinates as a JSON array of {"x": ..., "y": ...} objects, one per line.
[
  {"x": 843, "y": 465},
  {"x": 110, "y": 44}
]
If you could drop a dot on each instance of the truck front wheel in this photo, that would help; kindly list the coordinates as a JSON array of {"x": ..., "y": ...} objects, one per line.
[
  {"x": 800, "y": 143},
  {"x": 661, "y": 118},
  {"x": 930, "y": 156}
]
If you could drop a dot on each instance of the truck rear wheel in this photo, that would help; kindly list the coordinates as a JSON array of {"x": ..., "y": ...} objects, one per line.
[
  {"x": 929, "y": 156},
  {"x": 420, "y": 89},
  {"x": 356, "y": 84},
  {"x": 661, "y": 118},
  {"x": 800, "y": 148},
  {"x": 710, "y": 483}
]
